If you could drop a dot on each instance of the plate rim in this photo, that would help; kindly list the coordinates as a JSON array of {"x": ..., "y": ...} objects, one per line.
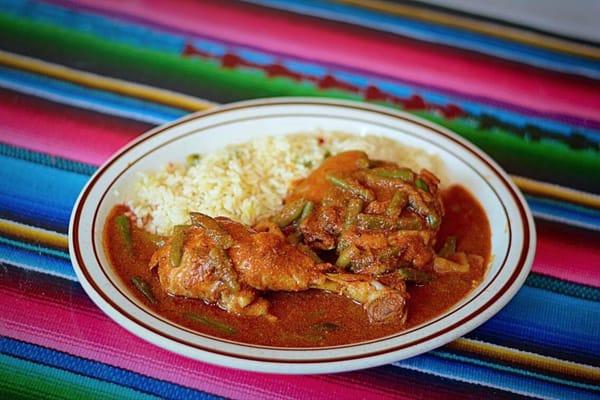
[{"x": 473, "y": 319}]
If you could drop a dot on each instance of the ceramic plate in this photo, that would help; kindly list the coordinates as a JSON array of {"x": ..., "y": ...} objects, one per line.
[{"x": 513, "y": 232}]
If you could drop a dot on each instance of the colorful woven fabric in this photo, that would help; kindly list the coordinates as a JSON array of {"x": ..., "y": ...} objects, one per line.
[{"x": 79, "y": 79}]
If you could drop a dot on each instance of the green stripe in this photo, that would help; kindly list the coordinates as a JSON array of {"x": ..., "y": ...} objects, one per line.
[
  {"x": 22, "y": 379},
  {"x": 549, "y": 161}
]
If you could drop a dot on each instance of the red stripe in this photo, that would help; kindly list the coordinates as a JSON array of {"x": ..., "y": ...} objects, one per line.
[{"x": 404, "y": 59}]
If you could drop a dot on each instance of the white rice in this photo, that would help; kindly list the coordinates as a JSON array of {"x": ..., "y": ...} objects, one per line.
[{"x": 248, "y": 181}]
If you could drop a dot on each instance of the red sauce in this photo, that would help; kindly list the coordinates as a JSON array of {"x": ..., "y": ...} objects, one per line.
[{"x": 299, "y": 312}]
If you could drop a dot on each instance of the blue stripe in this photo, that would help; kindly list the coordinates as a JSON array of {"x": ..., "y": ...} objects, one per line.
[
  {"x": 440, "y": 34},
  {"x": 38, "y": 195},
  {"x": 32, "y": 261},
  {"x": 100, "y": 371},
  {"x": 91, "y": 99},
  {"x": 138, "y": 35},
  {"x": 547, "y": 323},
  {"x": 558, "y": 211},
  {"x": 47, "y": 203},
  {"x": 505, "y": 380}
]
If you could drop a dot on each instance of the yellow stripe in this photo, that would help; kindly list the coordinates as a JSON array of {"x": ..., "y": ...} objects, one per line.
[
  {"x": 558, "y": 192},
  {"x": 33, "y": 234},
  {"x": 526, "y": 359},
  {"x": 487, "y": 28},
  {"x": 95, "y": 81}
]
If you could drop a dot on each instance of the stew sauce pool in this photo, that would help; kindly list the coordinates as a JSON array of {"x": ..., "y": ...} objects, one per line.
[{"x": 311, "y": 318}]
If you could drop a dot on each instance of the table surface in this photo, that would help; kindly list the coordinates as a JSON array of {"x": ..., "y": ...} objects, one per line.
[{"x": 79, "y": 79}]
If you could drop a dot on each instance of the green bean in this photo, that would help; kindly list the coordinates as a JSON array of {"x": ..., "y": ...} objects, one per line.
[
  {"x": 212, "y": 323},
  {"x": 213, "y": 229},
  {"x": 289, "y": 213},
  {"x": 352, "y": 210},
  {"x": 362, "y": 163},
  {"x": 404, "y": 174},
  {"x": 345, "y": 257},
  {"x": 414, "y": 275},
  {"x": 124, "y": 228},
  {"x": 176, "y": 251},
  {"x": 144, "y": 289},
  {"x": 409, "y": 223},
  {"x": 222, "y": 263},
  {"x": 370, "y": 221},
  {"x": 353, "y": 188},
  {"x": 309, "y": 207},
  {"x": 449, "y": 247},
  {"x": 421, "y": 184},
  {"x": 398, "y": 202},
  {"x": 325, "y": 327},
  {"x": 433, "y": 221},
  {"x": 192, "y": 159},
  {"x": 308, "y": 251}
]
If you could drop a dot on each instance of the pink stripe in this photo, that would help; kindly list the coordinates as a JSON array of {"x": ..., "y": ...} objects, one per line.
[
  {"x": 90, "y": 334},
  {"x": 400, "y": 58},
  {"x": 63, "y": 131},
  {"x": 568, "y": 253}
]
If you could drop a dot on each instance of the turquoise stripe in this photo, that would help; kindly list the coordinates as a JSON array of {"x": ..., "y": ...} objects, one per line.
[
  {"x": 440, "y": 34},
  {"x": 142, "y": 36},
  {"x": 36, "y": 248},
  {"x": 12, "y": 366},
  {"x": 38, "y": 262},
  {"x": 90, "y": 99},
  {"x": 505, "y": 380}
]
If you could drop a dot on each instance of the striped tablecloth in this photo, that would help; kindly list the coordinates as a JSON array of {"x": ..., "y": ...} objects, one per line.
[{"x": 79, "y": 79}]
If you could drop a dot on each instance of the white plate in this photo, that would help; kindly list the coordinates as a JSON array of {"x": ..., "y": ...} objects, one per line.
[{"x": 513, "y": 232}]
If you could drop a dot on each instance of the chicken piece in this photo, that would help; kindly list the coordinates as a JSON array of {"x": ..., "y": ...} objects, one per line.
[
  {"x": 259, "y": 261},
  {"x": 201, "y": 274},
  {"x": 376, "y": 215}
]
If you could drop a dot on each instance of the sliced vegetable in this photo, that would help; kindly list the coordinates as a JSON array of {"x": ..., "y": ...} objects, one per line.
[
  {"x": 443, "y": 266},
  {"x": 414, "y": 275},
  {"x": 362, "y": 163},
  {"x": 222, "y": 263},
  {"x": 192, "y": 159},
  {"x": 289, "y": 213},
  {"x": 353, "y": 188},
  {"x": 124, "y": 228},
  {"x": 212, "y": 228},
  {"x": 308, "y": 251},
  {"x": 398, "y": 202},
  {"x": 449, "y": 247},
  {"x": 370, "y": 222},
  {"x": 176, "y": 251},
  {"x": 352, "y": 210},
  {"x": 212, "y": 323},
  {"x": 421, "y": 184},
  {"x": 409, "y": 223},
  {"x": 144, "y": 289},
  {"x": 308, "y": 209},
  {"x": 433, "y": 221},
  {"x": 346, "y": 256},
  {"x": 325, "y": 327},
  {"x": 404, "y": 174}
]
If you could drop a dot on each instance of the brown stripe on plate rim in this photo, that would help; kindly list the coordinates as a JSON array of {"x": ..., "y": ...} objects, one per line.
[{"x": 83, "y": 267}]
